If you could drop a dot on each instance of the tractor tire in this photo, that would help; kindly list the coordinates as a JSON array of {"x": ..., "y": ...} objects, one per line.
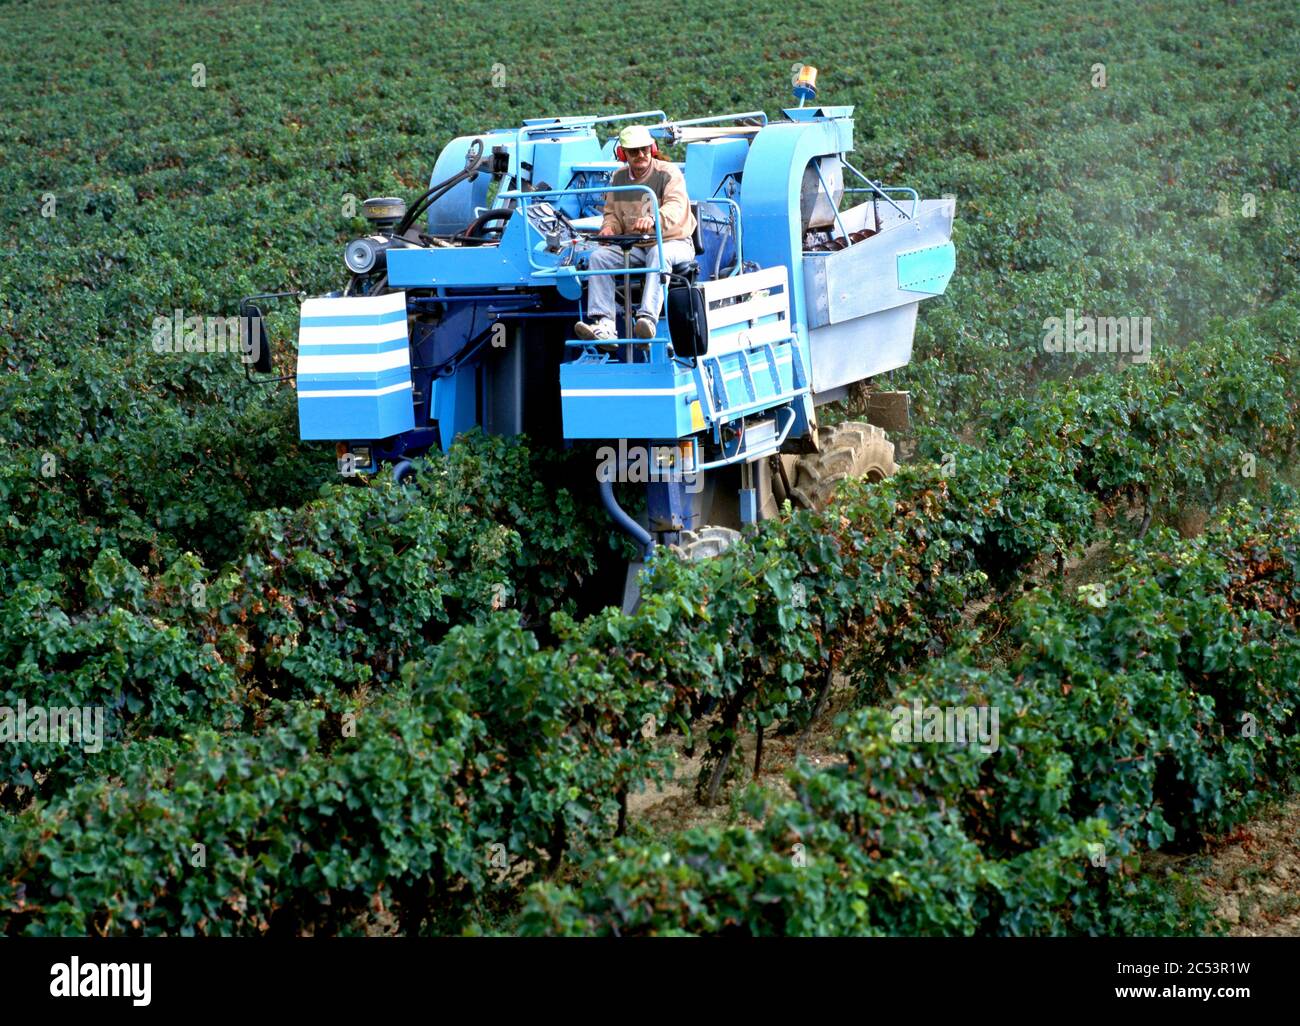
[
  {"x": 852, "y": 449},
  {"x": 705, "y": 543}
]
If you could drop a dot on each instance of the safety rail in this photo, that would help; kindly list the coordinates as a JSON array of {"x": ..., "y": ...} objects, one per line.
[
  {"x": 581, "y": 121},
  {"x": 540, "y": 270},
  {"x": 566, "y": 124},
  {"x": 585, "y": 121},
  {"x": 883, "y": 190},
  {"x": 563, "y": 124},
  {"x": 672, "y": 129},
  {"x": 743, "y": 453},
  {"x": 737, "y": 314},
  {"x": 712, "y": 120}
]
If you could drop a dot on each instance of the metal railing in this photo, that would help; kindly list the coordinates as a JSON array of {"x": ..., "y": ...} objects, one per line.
[
  {"x": 568, "y": 124},
  {"x": 882, "y": 190},
  {"x": 670, "y": 128},
  {"x": 543, "y": 270},
  {"x": 767, "y": 448}
]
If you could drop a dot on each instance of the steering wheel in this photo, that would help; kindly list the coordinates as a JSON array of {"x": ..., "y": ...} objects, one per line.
[{"x": 624, "y": 241}]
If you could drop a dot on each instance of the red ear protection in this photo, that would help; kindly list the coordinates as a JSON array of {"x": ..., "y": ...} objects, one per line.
[{"x": 654, "y": 151}]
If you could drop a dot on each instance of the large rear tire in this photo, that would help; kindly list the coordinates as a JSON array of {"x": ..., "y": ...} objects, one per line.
[
  {"x": 403, "y": 472},
  {"x": 853, "y": 449}
]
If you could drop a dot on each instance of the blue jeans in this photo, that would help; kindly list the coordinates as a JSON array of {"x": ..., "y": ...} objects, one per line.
[{"x": 600, "y": 287}]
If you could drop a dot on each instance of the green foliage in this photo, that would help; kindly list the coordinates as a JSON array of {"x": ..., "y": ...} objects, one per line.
[
  {"x": 335, "y": 594},
  {"x": 1119, "y": 730},
  {"x": 269, "y": 811},
  {"x": 318, "y": 682}
]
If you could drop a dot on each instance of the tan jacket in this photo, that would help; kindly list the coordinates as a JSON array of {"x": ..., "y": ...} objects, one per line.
[{"x": 669, "y": 185}]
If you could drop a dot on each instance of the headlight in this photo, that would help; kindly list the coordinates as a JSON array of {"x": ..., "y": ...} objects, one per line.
[{"x": 364, "y": 255}]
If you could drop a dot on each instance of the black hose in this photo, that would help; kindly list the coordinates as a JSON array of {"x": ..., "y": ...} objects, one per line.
[
  {"x": 432, "y": 195},
  {"x": 473, "y": 162},
  {"x": 496, "y": 214},
  {"x": 356, "y": 279}
]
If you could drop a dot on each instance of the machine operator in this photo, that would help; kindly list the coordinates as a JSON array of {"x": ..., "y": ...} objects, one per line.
[{"x": 631, "y": 213}]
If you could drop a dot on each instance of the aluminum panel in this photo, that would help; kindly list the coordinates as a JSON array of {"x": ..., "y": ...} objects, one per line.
[{"x": 862, "y": 348}]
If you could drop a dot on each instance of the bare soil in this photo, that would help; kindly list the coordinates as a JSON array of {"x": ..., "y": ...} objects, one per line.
[
  {"x": 1252, "y": 877},
  {"x": 673, "y": 807}
]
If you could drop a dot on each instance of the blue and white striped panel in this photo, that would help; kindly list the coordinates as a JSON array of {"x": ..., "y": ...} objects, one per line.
[{"x": 354, "y": 368}]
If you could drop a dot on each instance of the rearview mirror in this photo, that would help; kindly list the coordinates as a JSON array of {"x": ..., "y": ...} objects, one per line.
[{"x": 253, "y": 337}]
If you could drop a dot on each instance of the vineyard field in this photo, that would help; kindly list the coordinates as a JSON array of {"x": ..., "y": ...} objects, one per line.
[{"x": 411, "y": 709}]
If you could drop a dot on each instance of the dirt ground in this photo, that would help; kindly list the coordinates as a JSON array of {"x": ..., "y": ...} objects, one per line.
[
  {"x": 674, "y": 807},
  {"x": 1252, "y": 877}
]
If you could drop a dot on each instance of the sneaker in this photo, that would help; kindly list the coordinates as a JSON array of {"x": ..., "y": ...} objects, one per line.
[
  {"x": 601, "y": 331},
  {"x": 645, "y": 327}
]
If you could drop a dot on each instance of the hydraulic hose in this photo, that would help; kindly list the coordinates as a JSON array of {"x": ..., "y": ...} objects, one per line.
[
  {"x": 473, "y": 162},
  {"x": 431, "y": 196},
  {"x": 495, "y": 214},
  {"x": 620, "y": 517}
]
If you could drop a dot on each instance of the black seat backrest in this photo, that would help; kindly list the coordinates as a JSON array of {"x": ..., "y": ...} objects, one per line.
[
  {"x": 688, "y": 324},
  {"x": 697, "y": 236}
]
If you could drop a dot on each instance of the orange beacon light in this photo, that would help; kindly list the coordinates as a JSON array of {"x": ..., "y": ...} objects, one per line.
[{"x": 805, "y": 84}]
